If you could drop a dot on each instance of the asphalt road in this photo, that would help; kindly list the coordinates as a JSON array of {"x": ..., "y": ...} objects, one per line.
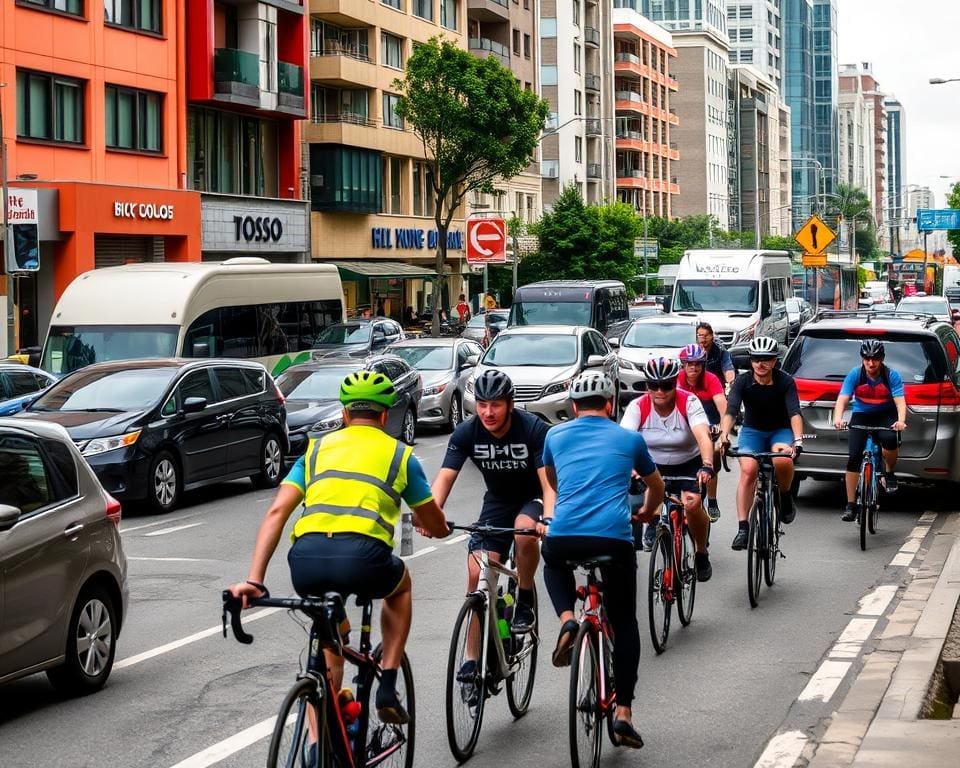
[{"x": 181, "y": 695}]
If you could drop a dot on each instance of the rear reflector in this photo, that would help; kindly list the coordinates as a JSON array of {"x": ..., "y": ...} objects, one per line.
[{"x": 113, "y": 509}]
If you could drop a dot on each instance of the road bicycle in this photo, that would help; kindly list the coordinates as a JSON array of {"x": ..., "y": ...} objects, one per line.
[
  {"x": 868, "y": 486},
  {"x": 485, "y": 652},
  {"x": 310, "y": 720},
  {"x": 673, "y": 574}
]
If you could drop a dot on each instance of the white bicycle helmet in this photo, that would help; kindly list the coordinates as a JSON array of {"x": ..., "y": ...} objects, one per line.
[
  {"x": 661, "y": 369},
  {"x": 763, "y": 346},
  {"x": 592, "y": 384}
]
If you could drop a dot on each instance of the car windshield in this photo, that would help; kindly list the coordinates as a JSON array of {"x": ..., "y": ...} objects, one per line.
[
  {"x": 716, "y": 296},
  {"x": 657, "y": 335},
  {"x": 532, "y": 349},
  {"x": 345, "y": 334},
  {"x": 425, "y": 358},
  {"x": 312, "y": 385},
  {"x": 551, "y": 312},
  {"x": 71, "y": 347},
  {"x": 829, "y": 356},
  {"x": 130, "y": 389},
  {"x": 931, "y": 306}
]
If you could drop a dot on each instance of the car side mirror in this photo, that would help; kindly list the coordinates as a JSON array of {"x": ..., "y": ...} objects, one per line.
[
  {"x": 194, "y": 404},
  {"x": 667, "y": 301},
  {"x": 200, "y": 349},
  {"x": 379, "y": 337},
  {"x": 613, "y": 342},
  {"x": 8, "y": 516},
  {"x": 471, "y": 361},
  {"x": 594, "y": 361}
]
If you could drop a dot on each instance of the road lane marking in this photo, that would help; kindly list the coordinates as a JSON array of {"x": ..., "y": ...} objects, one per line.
[
  {"x": 919, "y": 532},
  {"x": 457, "y": 539},
  {"x": 928, "y": 517},
  {"x": 876, "y": 602},
  {"x": 175, "y": 559},
  {"x": 857, "y": 631},
  {"x": 154, "y": 524},
  {"x": 911, "y": 545},
  {"x": 172, "y": 646},
  {"x": 783, "y": 750},
  {"x": 424, "y": 551},
  {"x": 229, "y": 746},
  {"x": 825, "y": 681},
  {"x": 902, "y": 558},
  {"x": 173, "y": 530}
]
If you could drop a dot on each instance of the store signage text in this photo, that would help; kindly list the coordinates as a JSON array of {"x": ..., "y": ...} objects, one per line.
[
  {"x": 258, "y": 229},
  {"x": 142, "y": 211},
  {"x": 399, "y": 237}
]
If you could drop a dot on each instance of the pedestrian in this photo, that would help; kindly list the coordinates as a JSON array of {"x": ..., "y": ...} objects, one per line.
[{"x": 463, "y": 309}]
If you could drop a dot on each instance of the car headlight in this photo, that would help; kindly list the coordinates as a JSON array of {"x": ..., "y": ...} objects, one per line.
[
  {"x": 328, "y": 425},
  {"x": 103, "y": 444},
  {"x": 556, "y": 389},
  {"x": 626, "y": 364},
  {"x": 436, "y": 389}
]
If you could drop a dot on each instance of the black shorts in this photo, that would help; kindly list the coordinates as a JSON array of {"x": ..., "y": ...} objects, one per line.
[
  {"x": 501, "y": 514},
  {"x": 348, "y": 563},
  {"x": 686, "y": 469},
  {"x": 887, "y": 438}
]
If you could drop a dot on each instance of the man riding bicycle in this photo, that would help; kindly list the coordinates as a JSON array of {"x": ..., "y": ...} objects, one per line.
[
  {"x": 351, "y": 483},
  {"x": 590, "y": 461},
  {"x": 771, "y": 422},
  {"x": 677, "y": 434},
  {"x": 878, "y": 401},
  {"x": 719, "y": 362}
]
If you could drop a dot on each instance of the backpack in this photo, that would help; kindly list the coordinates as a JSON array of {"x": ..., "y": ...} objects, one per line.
[{"x": 682, "y": 398}]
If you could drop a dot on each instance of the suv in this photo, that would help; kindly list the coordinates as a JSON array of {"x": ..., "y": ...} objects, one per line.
[
  {"x": 926, "y": 353},
  {"x": 359, "y": 337}
]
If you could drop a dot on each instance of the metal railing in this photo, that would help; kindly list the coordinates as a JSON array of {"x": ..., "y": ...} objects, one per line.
[
  {"x": 289, "y": 78},
  {"x": 358, "y": 52},
  {"x": 594, "y": 171},
  {"x": 343, "y": 117},
  {"x": 486, "y": 44},
  {"x": 631, "y": 58},
  {"x": 592, "y": 82},
  {"x": 629, "y": 96},
  {"x": 591, "y": 36},
  {"x": 234, "y": 66},
  {"x": 594, "y": 127}
]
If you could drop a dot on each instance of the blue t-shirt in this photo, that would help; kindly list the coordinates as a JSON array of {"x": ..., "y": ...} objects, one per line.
[
  {"x": 872, "y": 395},
  {"x": 593, "y": 458},
  {"x": 416, "y": 493}
]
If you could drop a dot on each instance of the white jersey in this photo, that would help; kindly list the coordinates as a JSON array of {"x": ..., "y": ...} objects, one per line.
[{"x": 670, "y": 438}]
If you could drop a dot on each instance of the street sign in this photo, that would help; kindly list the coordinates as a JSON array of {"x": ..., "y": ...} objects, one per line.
[
  {"x": 646, "y": 247},
  {"x": 486, "y": 241},
  {"x": 814, "y": 260},
  {"x": 929, "y": 219},
  {"x": 815, "y": 236}
]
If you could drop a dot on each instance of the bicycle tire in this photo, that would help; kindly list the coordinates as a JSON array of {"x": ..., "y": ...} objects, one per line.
[
  {"x": 863, "y": 506},
  {"x": 687, "y": 569},
  {"x": 611, "y": 713},
  {"x": 754, "y": 554},
  {"x": 387, "y": 744},
  {"x": 584, "y": 701},
  {"x": 464, "y": 730},
  {"x": 291, "y": 736},
  {"x": 874, "y": 517},
  {"x": 771, "y": 552},
  {"x": 524, "y": 655},
  {"x": 659, "y": 597}
]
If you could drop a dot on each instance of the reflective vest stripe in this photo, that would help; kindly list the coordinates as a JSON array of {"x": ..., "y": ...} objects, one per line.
[
  {"x": 385, "y": 486},
  {"x": 332, "y": 509},
  {"x": 398, "y": 453}
]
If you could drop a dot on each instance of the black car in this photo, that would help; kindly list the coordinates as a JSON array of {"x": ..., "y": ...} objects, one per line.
[
  {"x": 312, "y": 392},
  {"x": 151, "y": 429},
  {"x": 358, "y": 338}
]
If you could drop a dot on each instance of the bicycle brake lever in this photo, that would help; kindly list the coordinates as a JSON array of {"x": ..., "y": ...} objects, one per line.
[{"x": 233, "y": 606}]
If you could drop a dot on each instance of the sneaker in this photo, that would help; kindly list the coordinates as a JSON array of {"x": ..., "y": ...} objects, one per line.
[
  {"x": 648, "y": 536},
  {"x": 701, "y": 561},
  {"x": 788, "y": 508},
  {"x": 713, "y": 510},
  {"x": 850, "y": 513},
  {"x": 389, "y": 708},
  {"x": 467, "y": 677},
  {"x": 523, "y": 619},
  {"x": 561, "y": 653},
  {"x": 890, "y": 482},
  {"x": 740, "y": 540},
  {"x": 625, "y": 735}
]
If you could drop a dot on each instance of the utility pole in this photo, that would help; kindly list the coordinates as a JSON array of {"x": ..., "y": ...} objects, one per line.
[{"x": 7, "y": 237}]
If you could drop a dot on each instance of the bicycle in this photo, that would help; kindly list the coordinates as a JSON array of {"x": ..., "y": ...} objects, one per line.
[
  {"x": 673, "y": 574},
  {"x": 482, "y": 636},
  {"x": 593, "y": 694},
  {"x": 868, "y": 486},
  {"x": 311, "y": 709}
]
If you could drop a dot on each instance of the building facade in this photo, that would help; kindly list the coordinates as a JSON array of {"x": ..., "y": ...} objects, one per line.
[
  {"x": 755, "y": 29},
  {"x": 798, "y": 92},
  {"x": 863, "y": 131},
  {"x": 825, "y": 79},
  {"x": 896, "y": 172}
]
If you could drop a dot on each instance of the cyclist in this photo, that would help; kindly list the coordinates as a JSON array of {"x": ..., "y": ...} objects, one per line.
[
  {"x": 719, "y": 362},
  {"x": 677, "y": 434},
  {"x": 771, "y": 422},
  {"x": 592, "y": 518},
  {"x": 506, "y": 445},
  {"x": 878, "y": 401},
  {"x": 707, "y": 387},
  {"x": 351, "y": 482}
]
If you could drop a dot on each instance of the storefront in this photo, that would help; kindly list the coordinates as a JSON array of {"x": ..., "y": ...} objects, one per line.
[{"x": 277, "y": 230}]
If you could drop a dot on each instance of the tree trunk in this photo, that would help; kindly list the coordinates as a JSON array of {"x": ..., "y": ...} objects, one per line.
[{"x": 441, "y": 257}]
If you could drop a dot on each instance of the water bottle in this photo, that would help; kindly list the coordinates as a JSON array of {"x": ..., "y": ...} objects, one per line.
[
  {"x": 349, "y": 711},
  {"x": 503, "y": 626}
]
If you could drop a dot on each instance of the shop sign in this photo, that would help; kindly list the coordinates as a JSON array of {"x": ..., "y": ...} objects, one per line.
[
  {"x": 416, "y": 239},
  {"x": 23, "y": 249},
  {"x": 144, "y": 211},
  {"x": 258, "y": 229}
]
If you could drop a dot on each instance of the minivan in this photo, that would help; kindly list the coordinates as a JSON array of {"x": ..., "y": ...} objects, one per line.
[{"x": 599, "y": 304}]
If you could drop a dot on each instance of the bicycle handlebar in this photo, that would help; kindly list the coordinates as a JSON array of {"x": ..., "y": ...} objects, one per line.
[
  {"x": 758, "y": 455},
  {"x": 490, "y": 530},
  {"x": 233, "y": 606}
]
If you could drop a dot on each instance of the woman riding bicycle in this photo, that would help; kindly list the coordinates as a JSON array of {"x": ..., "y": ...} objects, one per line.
[{"x": 878, "y": 401}]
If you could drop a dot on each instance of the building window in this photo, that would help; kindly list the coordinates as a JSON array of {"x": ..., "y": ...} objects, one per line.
[
  {"x": 392, "y": 3},
  {"x": 576, "y": 57},
  {"x": 390, "y": 117},
  {"x": 134, "y": 119},
  {"x": 548, "y": 74},
  {"x": 49, "y": 107},
  {"x": 516, "y": 42},
  {"x": 134, "y": 14},
  {"x": 393, "y": 166},
  {"x": 448, "y": 14},
  {"x": 746, "y": 34},
  {"x": 548, "y": 27},
  {"x": 268, "y": 55},
  {"x": 576, "y": 12},
  {"x": 231, "y": 154},
  {"x": 423, "y": 9},
  {"x": 577, "y": 102},
  {"x": 577, "y": 149},
  {"x": 74, "y": 7},
  {"x": 526, "y": 46},
  {"x": 391, "y": 54},
  {"x": 345, "y": 179}
]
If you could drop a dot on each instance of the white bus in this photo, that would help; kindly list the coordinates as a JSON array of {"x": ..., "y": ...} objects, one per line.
[{"x": 244, "y": 308}]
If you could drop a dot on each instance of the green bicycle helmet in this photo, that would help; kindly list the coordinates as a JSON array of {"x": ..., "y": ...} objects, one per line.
[{"x": 367, "y": 391}]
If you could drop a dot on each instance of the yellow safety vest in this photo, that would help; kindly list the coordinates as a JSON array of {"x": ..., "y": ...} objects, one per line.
[{"x": 353, "y": 480}]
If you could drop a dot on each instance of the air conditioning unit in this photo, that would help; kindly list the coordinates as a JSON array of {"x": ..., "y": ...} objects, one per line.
[{"x": 316, "y": 180}]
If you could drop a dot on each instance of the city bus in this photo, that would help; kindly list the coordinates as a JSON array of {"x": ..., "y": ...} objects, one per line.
[{"x": 246, "y": 308}]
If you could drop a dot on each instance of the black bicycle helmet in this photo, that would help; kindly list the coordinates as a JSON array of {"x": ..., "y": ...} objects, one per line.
[
  {"x": 493, "y": 385},
  {"x": 871, "y": 348}
]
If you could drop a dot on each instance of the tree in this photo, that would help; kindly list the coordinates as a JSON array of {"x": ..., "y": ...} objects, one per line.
[
  {"x": 780, "y": 243},
  {"x": 953, "y": 236},
  {"x": 568, "y": 235},
  {"x": 476, "y": 124},
  {"x": 853, "y": 203}
]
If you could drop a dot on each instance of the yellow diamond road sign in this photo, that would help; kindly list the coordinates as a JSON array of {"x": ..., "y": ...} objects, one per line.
[{"x": 815, "y": 236}]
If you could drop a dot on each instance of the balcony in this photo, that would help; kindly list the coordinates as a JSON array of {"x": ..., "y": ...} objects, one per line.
[
  {"x": 592, "y": 82},
  {"x": 630, "y": 58},
  {"x": 237, "y": 74},
  {"x": 594, "y": 127},
  {"x": 591, "y": 36},
  {"x": 290, "y": 87},
  {"x": 354, "y": 118},
  {"x": 344, "y": 69},
  {"x": 483, "y": 47},
  {"x": 594, "y": 172},
  {"x": 488, "y": 10}
]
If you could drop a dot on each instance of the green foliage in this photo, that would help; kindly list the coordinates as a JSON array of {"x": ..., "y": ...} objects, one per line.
[
  {"x": 780, "y": 243},
  {"x": 953, "y": 236}
]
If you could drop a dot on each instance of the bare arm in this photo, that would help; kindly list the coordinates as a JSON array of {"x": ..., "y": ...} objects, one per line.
[
  {"x": 901, "y": 403},
  {"x": 653, "y": 497},
  {"x": 430, "y": 517},
  {"x": 702, "y": 433},
  {"x": 839, "y": 408},
  {"x": 442, "y": 485},
  {"x": 549, "y": 489},
  {"x": 726, "y": 424},
  {"x": 721, "y": 402}
]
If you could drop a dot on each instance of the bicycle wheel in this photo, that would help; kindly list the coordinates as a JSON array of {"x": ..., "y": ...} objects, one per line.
[
  {"x": 754, "y": 554},
  {"x": 687, "y": 570},
  {"x": 771, "y": 550},
  {"x": 465, "y": 694},
  {"x": 522, "y": 659},
  {"x": 874, "y": 515},
  {"x": 387, "y": 744},
  {"x": 291, "y": 742},
  {"x": 611, "y": 712},
  {"x": 660, "y": 593},
  {"x": 864, "y": 487},
  {"x": 585, "y": 699}
]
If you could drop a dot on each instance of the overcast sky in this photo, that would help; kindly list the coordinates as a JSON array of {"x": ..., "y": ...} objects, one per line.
[{"x": 908, "y": 43}]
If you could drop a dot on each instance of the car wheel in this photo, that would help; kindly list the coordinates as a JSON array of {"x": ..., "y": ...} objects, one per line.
[
  {"x": 164, "y": 483},
  {"x": 91, "y": 645},
  {"x": 408, "y": 428},
  {"x": 456, "y": 413},
  {"x": 271, "y": 463}
]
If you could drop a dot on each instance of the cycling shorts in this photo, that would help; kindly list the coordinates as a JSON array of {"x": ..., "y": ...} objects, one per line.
[
  {"x": 502, "y": 515},
  {"x": 688, "y": 468},
  {"x": 762, "y": 440},
  {"x": 348, "y": 563}
]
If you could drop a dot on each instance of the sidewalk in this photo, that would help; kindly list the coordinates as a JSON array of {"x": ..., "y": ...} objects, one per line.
[{"x": 877, "y": 724}]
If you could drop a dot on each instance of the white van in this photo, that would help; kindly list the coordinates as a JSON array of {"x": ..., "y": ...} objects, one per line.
[
  {"x": 244, "y": 308},
  {"x": 741, "y": 293}
]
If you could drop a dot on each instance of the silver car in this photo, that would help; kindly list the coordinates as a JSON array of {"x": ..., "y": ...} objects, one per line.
[
  {"x": 63, "y": 595},
  {"x": 542, "y": 361},
  {"x": 648, "y": 337},
  {"x": 476, "y": 328},
  {"x": 444, "y": 365}
]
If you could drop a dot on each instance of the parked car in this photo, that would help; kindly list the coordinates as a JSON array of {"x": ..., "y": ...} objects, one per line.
[
  {"x": 444, "y": 366},
  {"x": 637, "y": 311},
  {"x": 20, "y": 385},
  {"x": 359, "y": 338},
  {"x": 925, "y": 351},
  {"x": 647, "y": 337},
  {"x": 938, "y": 306},
  {"x": 64, "y": 587},
  {"x": 542, "y": 361},
  {"x": 799, "y": 311},
  {"x": 152, "y": 429},
  {"x": 476, "y": 328},
  {"x": 312, "y": 393}
]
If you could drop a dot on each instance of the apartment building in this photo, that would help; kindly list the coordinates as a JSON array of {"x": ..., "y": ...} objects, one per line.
[
  {"x": 896, "y": 171},
  {"x": 372, "y": 208},
  {"x": 863, "y": 129},
  {"x": 825, "y": 76},
  {"x": 644, "y": 86},
  {"x": 798, "y": 91},
  {"x": 754, "y": 28},
  {"x": 576, "y": 80}
]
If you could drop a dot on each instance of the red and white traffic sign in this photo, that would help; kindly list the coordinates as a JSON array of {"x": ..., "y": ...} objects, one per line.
[{"x": 486, "y": 241}]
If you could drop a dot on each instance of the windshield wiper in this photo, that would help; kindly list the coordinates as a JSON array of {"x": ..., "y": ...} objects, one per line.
[
  {"x": 96, "y": 410},
  {"x": 740, "y": 314},
  {"x": 686, "y": 313}
]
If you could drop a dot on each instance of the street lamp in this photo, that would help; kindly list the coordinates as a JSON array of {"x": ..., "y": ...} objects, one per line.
[
  {"x": 941, "y": 81},
  {"x": 801, "y": 159}
]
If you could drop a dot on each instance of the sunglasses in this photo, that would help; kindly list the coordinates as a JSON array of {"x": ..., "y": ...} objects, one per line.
[
  {"x": 661, "y": 386},
  {"x": 763, "y": 359},
  {"x": 874, "y": 358}
]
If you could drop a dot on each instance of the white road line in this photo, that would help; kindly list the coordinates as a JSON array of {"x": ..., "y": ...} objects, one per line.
[
  {"x": 783, "y": 750},
  {"x": 423, "y": 551},
  {"x": 876, "y": 602},
  {"x": 825, "y": 681},
  {"x": 857, "y": 631},
  {"x": 902, "y": 558},
  {"x": 845, "y": 650},
  {"x": 223, "y": 749},
  {"x": 176, "y": 528},
  {"x": 162, "y": 649},
  {"x": 928, "y": 517},
  {"x": 174, "y": 559},
  {"x": 456, "y": 539},
  {"x": 154, "y": 524},
  {"x": 911, "y": 545},
  {"x": 919, "y": 532}
]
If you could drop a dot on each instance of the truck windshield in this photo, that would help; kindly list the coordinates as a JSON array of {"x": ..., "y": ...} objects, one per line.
[
  {"x": 716, "y": 296},
  {"x": 551, "y": 313},
  {"x": 71, "y": 347}
]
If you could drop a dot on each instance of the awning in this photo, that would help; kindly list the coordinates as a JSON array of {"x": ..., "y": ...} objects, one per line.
[{"x": 373, "y": 270}]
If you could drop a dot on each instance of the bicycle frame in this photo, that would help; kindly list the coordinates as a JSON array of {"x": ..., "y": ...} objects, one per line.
[
  {"x": 673, "y": 517},
  {"x": 490, "y": 572},
  {"x": 593, "y": 613}
]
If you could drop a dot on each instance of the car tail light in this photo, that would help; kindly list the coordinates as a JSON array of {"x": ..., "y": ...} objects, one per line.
[
  {"x": 930, "y": 398},
  {"x": 113, "y": 509},
  {"x": 812, "y": 390},
  {"x": 868, "y": 331}
]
